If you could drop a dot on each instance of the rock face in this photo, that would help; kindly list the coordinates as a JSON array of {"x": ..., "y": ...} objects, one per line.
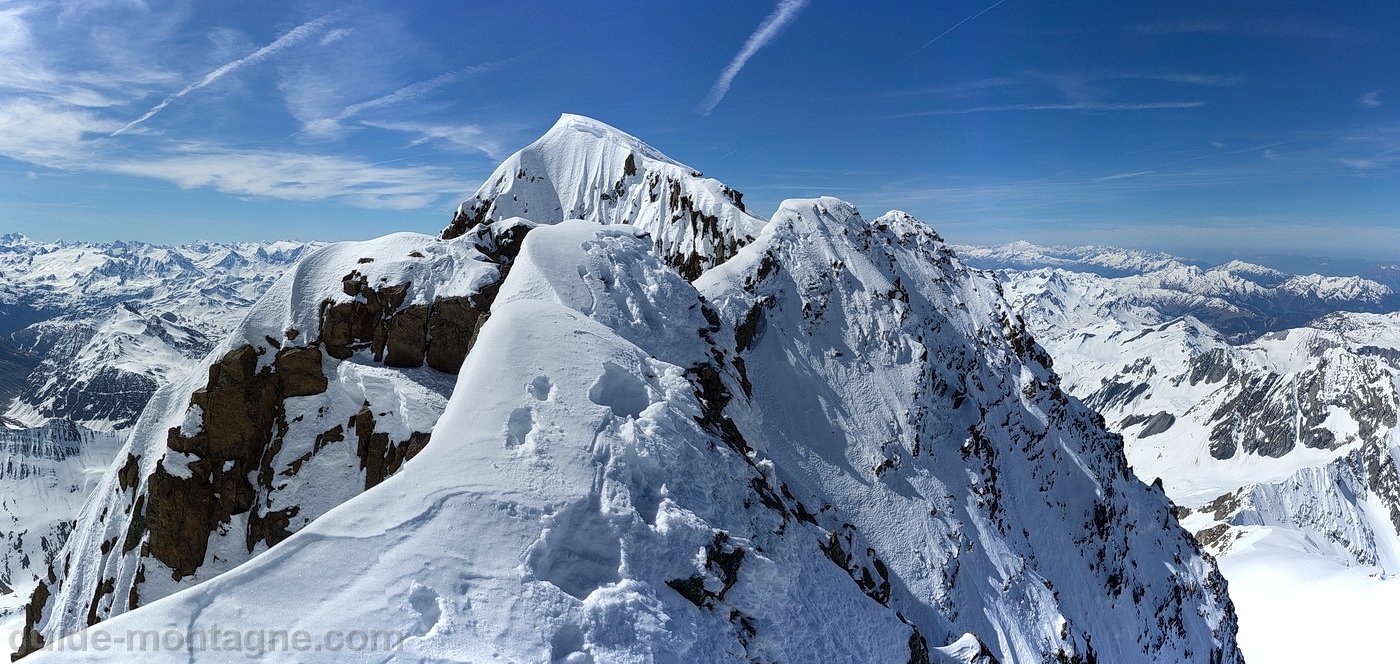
[
  {"x": 585, "y": 169},
  {"x": 839, "y": 440},
  {"x": 398, "y": 335}
]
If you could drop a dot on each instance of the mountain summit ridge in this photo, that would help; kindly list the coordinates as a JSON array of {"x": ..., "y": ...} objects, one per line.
[{"x": 677, "y": 432}]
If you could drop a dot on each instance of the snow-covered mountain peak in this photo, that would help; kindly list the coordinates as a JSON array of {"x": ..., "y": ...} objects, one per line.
[
  {"x": 1264, "y": 276},
  {"x": 843, "y": 425},
  {"x": 1321, "y": 287},
  {"x": 678, "y": 433},
  {"x": 581, "y": 133},
  {"x": 12, "y": 239},
  {"x": 584, "y": 169}
]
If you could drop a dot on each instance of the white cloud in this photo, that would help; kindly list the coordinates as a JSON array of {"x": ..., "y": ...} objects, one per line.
[
  {"x": 1063, "y": 91},
  {"x": 32, "y": 63},
  {"x": 1371, "y": 99},
  {"x": 297, "y": 177},
  {"x": 1362, "y": 164},
  {"x": 1278, "y": 27},
  {"x": 1188, "y": 26},
  {"x": 770, "y": 28},
  {"x": 77, "y": 140},
  {"x": 1211, "y": 80},
  {"x": 63, "y": 81},
  {"x": 334, "y": 36},
  {"x": 48, "y": 134}
]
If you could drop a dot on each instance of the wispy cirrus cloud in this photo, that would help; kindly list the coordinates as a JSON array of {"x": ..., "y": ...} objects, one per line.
[
  {"x": 1125, "y": 176},
  {"x": 771, "y": 27},
  {"x": 1283, "y": 27},
  {"x": 1086, "y": 91},
  {"x": 295, "y": 176},
  {"x": 70, "y": 72},
  {"x": 79, "y": 140},
  {"x": 1083, "y": 106},
  {"x": 292, "y": 37},
  {"x": 1371, "y": 99},
  {"x": 1184, "y": 26},
  {"x": 407, "y": 93},
  {"x": 459, "y": 138},
  {"x": 1208, "y": 80},
  {"x": 37, "y": 63}
]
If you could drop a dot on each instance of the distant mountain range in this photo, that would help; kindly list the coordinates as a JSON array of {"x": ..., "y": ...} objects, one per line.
[
  {"x": 1266, "y": 403},
  {"x": 89, "y": 331}
]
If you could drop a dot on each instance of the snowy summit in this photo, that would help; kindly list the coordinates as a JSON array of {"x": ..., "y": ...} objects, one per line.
[{"x": 612, "y": 416}]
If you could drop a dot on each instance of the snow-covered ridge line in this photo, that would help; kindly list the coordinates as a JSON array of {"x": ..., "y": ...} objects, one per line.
[{"x": 333, "y": 379}]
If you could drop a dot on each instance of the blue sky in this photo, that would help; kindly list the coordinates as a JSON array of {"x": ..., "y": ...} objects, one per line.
[{"x": 1194, "y": 127}]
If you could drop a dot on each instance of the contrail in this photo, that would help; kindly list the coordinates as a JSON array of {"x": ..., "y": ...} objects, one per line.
[
  {"x": 787, "y": 11},
  {"x": 296, "y": 34},
  {"x": 416, "y": 90},
  {"x": 955, "y": 27},
  {"x": 406, "y": 93}
]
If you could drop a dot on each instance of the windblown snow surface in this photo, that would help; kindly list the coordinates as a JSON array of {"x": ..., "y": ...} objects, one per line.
[{"x": 839, "y": 444}]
